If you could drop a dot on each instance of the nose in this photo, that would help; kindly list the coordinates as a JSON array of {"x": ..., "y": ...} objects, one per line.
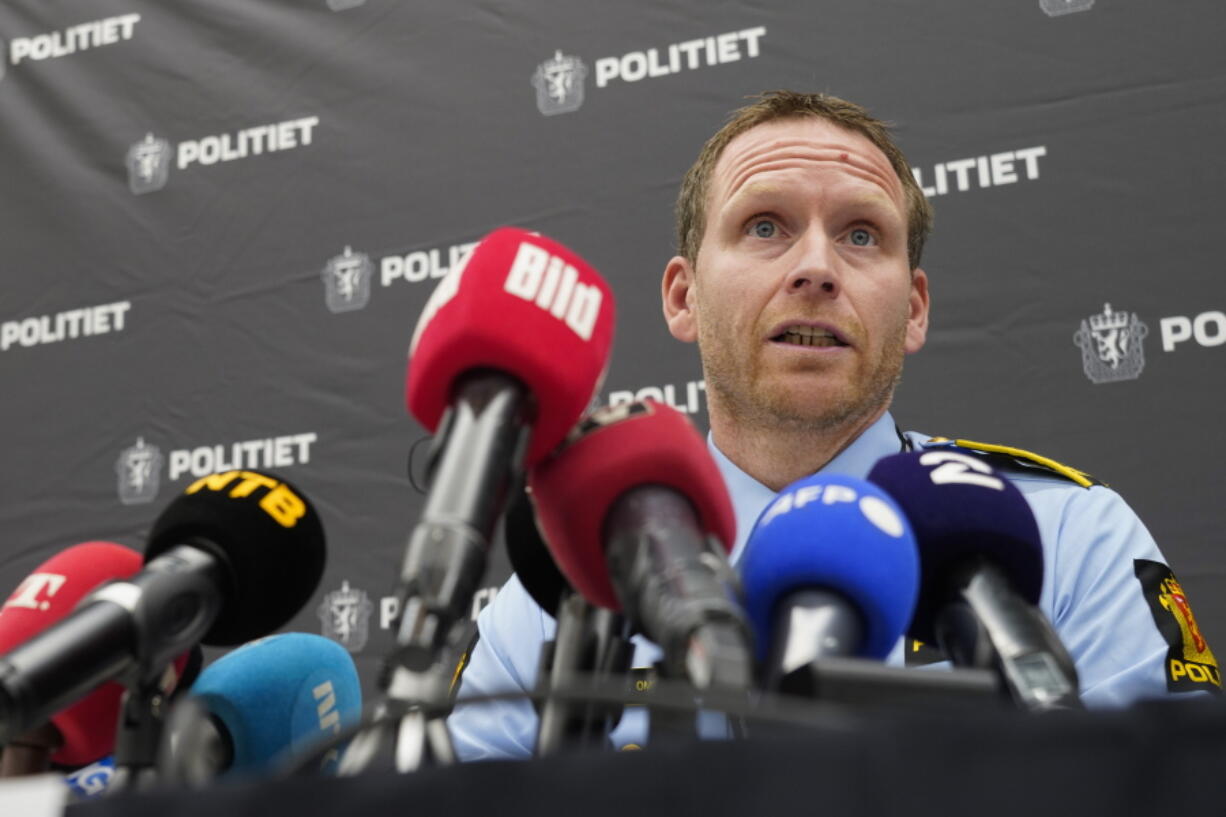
[{"x": 814, "y": 269}]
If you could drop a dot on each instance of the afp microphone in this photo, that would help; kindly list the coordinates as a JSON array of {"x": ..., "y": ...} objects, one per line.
[
  {"x": 981, "y": 569},
  {"x": 830, "y": 570},
  {"x": 253, "y": 708},
  {"x": 231, "y": 559},
  {"x": 637, "y": 517},
  {"x": 507, "y": 354}
]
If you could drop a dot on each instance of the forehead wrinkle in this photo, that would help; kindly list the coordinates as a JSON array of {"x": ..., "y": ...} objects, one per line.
[
  {"x": 750, "y": 184},
  {"x": 793, "y": 152}
]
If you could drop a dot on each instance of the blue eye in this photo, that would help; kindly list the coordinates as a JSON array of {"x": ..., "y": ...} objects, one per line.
[
  {"x": 861, "y": 237},
  {"x": 764, "y": 228}
]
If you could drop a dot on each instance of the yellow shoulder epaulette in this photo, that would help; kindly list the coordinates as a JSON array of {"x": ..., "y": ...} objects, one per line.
[{"x": 1027, "y": 458}]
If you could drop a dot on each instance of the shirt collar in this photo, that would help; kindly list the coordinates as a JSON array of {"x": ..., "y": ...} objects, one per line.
[{"x": 750, "y": 497}]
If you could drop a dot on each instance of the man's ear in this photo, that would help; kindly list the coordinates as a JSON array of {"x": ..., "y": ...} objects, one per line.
[
  {"x": 917, "y": 321},
  {"x": 677, "y": 294}
]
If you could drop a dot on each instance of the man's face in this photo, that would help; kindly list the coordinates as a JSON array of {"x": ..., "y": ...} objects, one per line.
[{"x": 801, "y": 298}]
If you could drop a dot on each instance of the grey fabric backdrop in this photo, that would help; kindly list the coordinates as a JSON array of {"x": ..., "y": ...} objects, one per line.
[{"x": 254, "y": 288}]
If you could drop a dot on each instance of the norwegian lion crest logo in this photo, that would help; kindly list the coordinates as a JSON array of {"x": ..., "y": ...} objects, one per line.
[
  {"x": 1056, "y": 8},
  {"x": 1111, "y": 347},
  {"x": 347, "y": 281},
  {"x": 148, "y": 164},
  {"x": 344, "y": 616},
  {"x": 138, "y": 470},
  {"x": 559, "y": 84}
]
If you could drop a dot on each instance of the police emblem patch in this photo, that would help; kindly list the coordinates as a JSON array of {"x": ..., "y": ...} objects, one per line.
[
  {"x": 139, "y": 470},
  {"x": 1190, "y": 664},
  {"x": 559, "y": 84},
  {"x": 1111, "y": 346},
  {"x": 148, "y": 164},
  {"x": 347, "y": 281},
  {"x": 344, "y": 617}
]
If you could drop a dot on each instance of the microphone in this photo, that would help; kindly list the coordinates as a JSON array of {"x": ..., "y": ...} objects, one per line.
[
  {"x": 590, "y": 645},
  {"x": 981, "y": 570},
  {"x": 259, "y": 705},
  {"x": 509, "y": 351},
  {"x": 233, "y": 557},
  {"x": 637, "y": 517},
  {"x": 830, "y": 570},
  {"x": 84, "y": 732},
  {"x": 530, "y": 557}
]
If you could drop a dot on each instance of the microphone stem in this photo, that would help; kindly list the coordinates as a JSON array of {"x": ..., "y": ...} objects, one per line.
[
  {"x": 989, "y": 625},
  {"x": 30, "y": 753},
  {"x": 479, "y": 448}
]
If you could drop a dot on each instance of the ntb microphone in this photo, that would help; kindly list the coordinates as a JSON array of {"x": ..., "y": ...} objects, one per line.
[
  {"x": 507, "y": 354},
  {"x": 232, "y": 558},
  {"x": 981, "y": 568},
  {"x": 257, "y": 706},
  {"x": 829, "y": 570},
  {"x": 637, "y": 517}
]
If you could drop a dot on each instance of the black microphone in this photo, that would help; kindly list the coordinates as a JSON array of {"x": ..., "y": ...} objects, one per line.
[
  {"x": 232, "y": 558},
  {"x": 529, "y": 555},
  {"x": 590, "y": 646},
  {"x": 981, "y": 567}
]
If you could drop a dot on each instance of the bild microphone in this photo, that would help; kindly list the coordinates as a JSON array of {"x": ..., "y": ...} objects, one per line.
[
  {"x": 830, "y": 570},
  {"x": 507, "y": 354},
  {"x": 232, "y": 558},
  {"x": 637, "y": 517},
  {"x": 981, "y": 567}
]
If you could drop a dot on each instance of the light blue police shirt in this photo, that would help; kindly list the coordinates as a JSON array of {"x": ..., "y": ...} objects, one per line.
[{"x": 1090, "y": 593}]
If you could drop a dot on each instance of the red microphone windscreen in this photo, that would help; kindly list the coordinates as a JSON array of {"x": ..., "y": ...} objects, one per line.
[
  {"x": 44, "y": 597},
  {"x": 525, "y": 306},
  {"x": 614, "y": 450}
]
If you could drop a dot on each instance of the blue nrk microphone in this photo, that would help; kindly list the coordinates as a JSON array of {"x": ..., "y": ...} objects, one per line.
[
  {"x": 256, "y": 706},
  {"x": 830, "y": 569},
  {"x": 981, "y": 562}
]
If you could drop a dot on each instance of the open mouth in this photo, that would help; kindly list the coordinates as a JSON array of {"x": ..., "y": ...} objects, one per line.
[{"x": 808, "y": 336}]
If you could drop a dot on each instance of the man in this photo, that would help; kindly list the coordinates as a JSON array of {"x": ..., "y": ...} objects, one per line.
[{"x": 800, "y": 232}]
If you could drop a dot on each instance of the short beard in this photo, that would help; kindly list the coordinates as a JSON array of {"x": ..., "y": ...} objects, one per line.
[{"x": 777, "y": 412}]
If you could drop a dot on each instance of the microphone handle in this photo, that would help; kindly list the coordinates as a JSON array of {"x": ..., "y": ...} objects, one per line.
[
  {"x": 30, "y": 753},
  {"x": 677, "y": 588},
  {"x": 62, "y": 664},
  {"x": 987, "y": 624},
  {"x": 133, "y": 626},
  {"x": 591, "y": 644},
  {"x": 810, "y": 625},
  {"x": 195, "y": 748},
  {"x": 479, "y": 448}
]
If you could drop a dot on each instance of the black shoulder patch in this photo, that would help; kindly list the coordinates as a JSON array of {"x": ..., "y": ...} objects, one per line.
[
  {"x": 1005, "y": 456},
  {"x": 1190, "y": 664}
]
